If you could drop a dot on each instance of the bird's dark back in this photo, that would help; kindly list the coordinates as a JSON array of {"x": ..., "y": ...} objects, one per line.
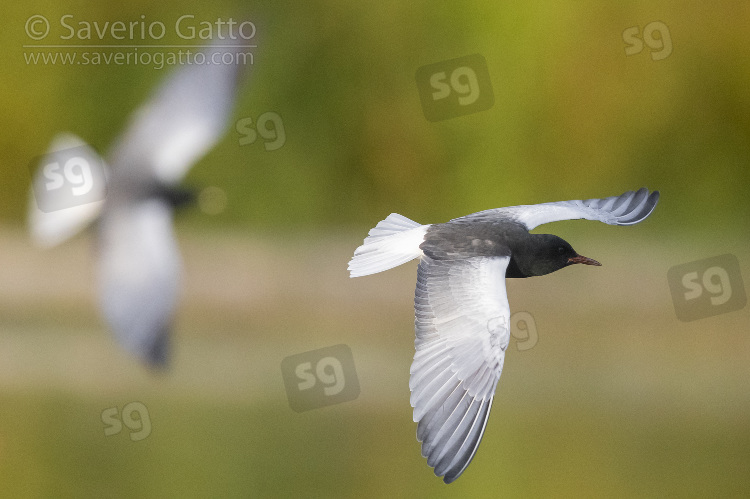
[{"x": 460, "y": 239}]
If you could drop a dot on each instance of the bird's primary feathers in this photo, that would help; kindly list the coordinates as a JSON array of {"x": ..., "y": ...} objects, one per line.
[
  {"x": 462, "y": 316},
  {"x": 138, "y": 258}
]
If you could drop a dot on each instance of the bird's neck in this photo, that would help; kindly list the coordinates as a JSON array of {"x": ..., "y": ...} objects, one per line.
[
  {"x": 513, "y": 270},
  {"x": 523, "y": 255}
]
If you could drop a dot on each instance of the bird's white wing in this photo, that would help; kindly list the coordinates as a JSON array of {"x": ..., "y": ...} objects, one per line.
[
  {"x": 183, "y": 119},
  {"x": 52, "y": 227},
  {"x": 462, "y": 331},
  {"x": 138, "y": 275},
  {"x": 627, "y": 209}
]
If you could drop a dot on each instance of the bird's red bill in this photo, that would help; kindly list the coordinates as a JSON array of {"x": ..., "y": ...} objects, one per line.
[{"x": 584, "y": 260}]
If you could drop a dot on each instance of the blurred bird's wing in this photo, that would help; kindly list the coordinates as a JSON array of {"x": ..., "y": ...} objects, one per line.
[
  {"x": 139, "y": 267},
  {"x": 627, "y": 209},
  {"x": 462, "y": 331},
  {"x": 184, "y": 118},
  {"x": 139, "y": 260},
  {"x": 51, "y": 228}
]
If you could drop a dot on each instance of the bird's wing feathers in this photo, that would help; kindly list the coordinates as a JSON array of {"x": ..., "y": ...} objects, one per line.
[
  {"x": 138, "y": 276},
  {"x": 462, "y": 331},
  {"x": 627, "y": 209},
  {"x": 184, "y": 118}
]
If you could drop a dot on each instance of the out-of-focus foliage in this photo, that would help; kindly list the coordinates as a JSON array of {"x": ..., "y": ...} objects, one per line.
[{"x": 573, "y": 115}]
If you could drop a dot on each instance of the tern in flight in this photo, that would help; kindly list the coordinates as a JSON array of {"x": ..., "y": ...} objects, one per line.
[
  {"x": 461, "y": 307},
  {"x": 138, "y": 262}
]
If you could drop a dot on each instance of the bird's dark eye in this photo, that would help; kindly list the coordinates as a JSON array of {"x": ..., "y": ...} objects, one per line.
[{"x": 560, "y": 250}]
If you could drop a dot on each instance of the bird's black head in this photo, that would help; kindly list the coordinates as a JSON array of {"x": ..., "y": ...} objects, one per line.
[{"x": 548, "y": 253}]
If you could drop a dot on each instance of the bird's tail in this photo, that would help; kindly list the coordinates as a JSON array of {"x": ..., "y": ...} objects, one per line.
[
  {"x": 392, "y": 242},
  {"x": 49, "y": 224}
]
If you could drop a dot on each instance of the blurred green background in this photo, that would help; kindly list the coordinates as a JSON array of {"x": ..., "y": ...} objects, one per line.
[{"x": 618, "y": 398}]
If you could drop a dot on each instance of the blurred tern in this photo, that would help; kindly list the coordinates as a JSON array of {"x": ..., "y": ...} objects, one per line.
[
  {"x": 138, "y": 259},
  {"x": 462, "y": 316}
]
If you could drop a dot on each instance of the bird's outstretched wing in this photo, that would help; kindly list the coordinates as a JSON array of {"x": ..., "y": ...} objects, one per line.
[
  {"x": 139, "y": 259},
  {"x": 462, "y": 331},
  {"x": 627, "y": 209},
  {"x": 184, "y": 118},
  {"x": 138, "y": 275}
]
